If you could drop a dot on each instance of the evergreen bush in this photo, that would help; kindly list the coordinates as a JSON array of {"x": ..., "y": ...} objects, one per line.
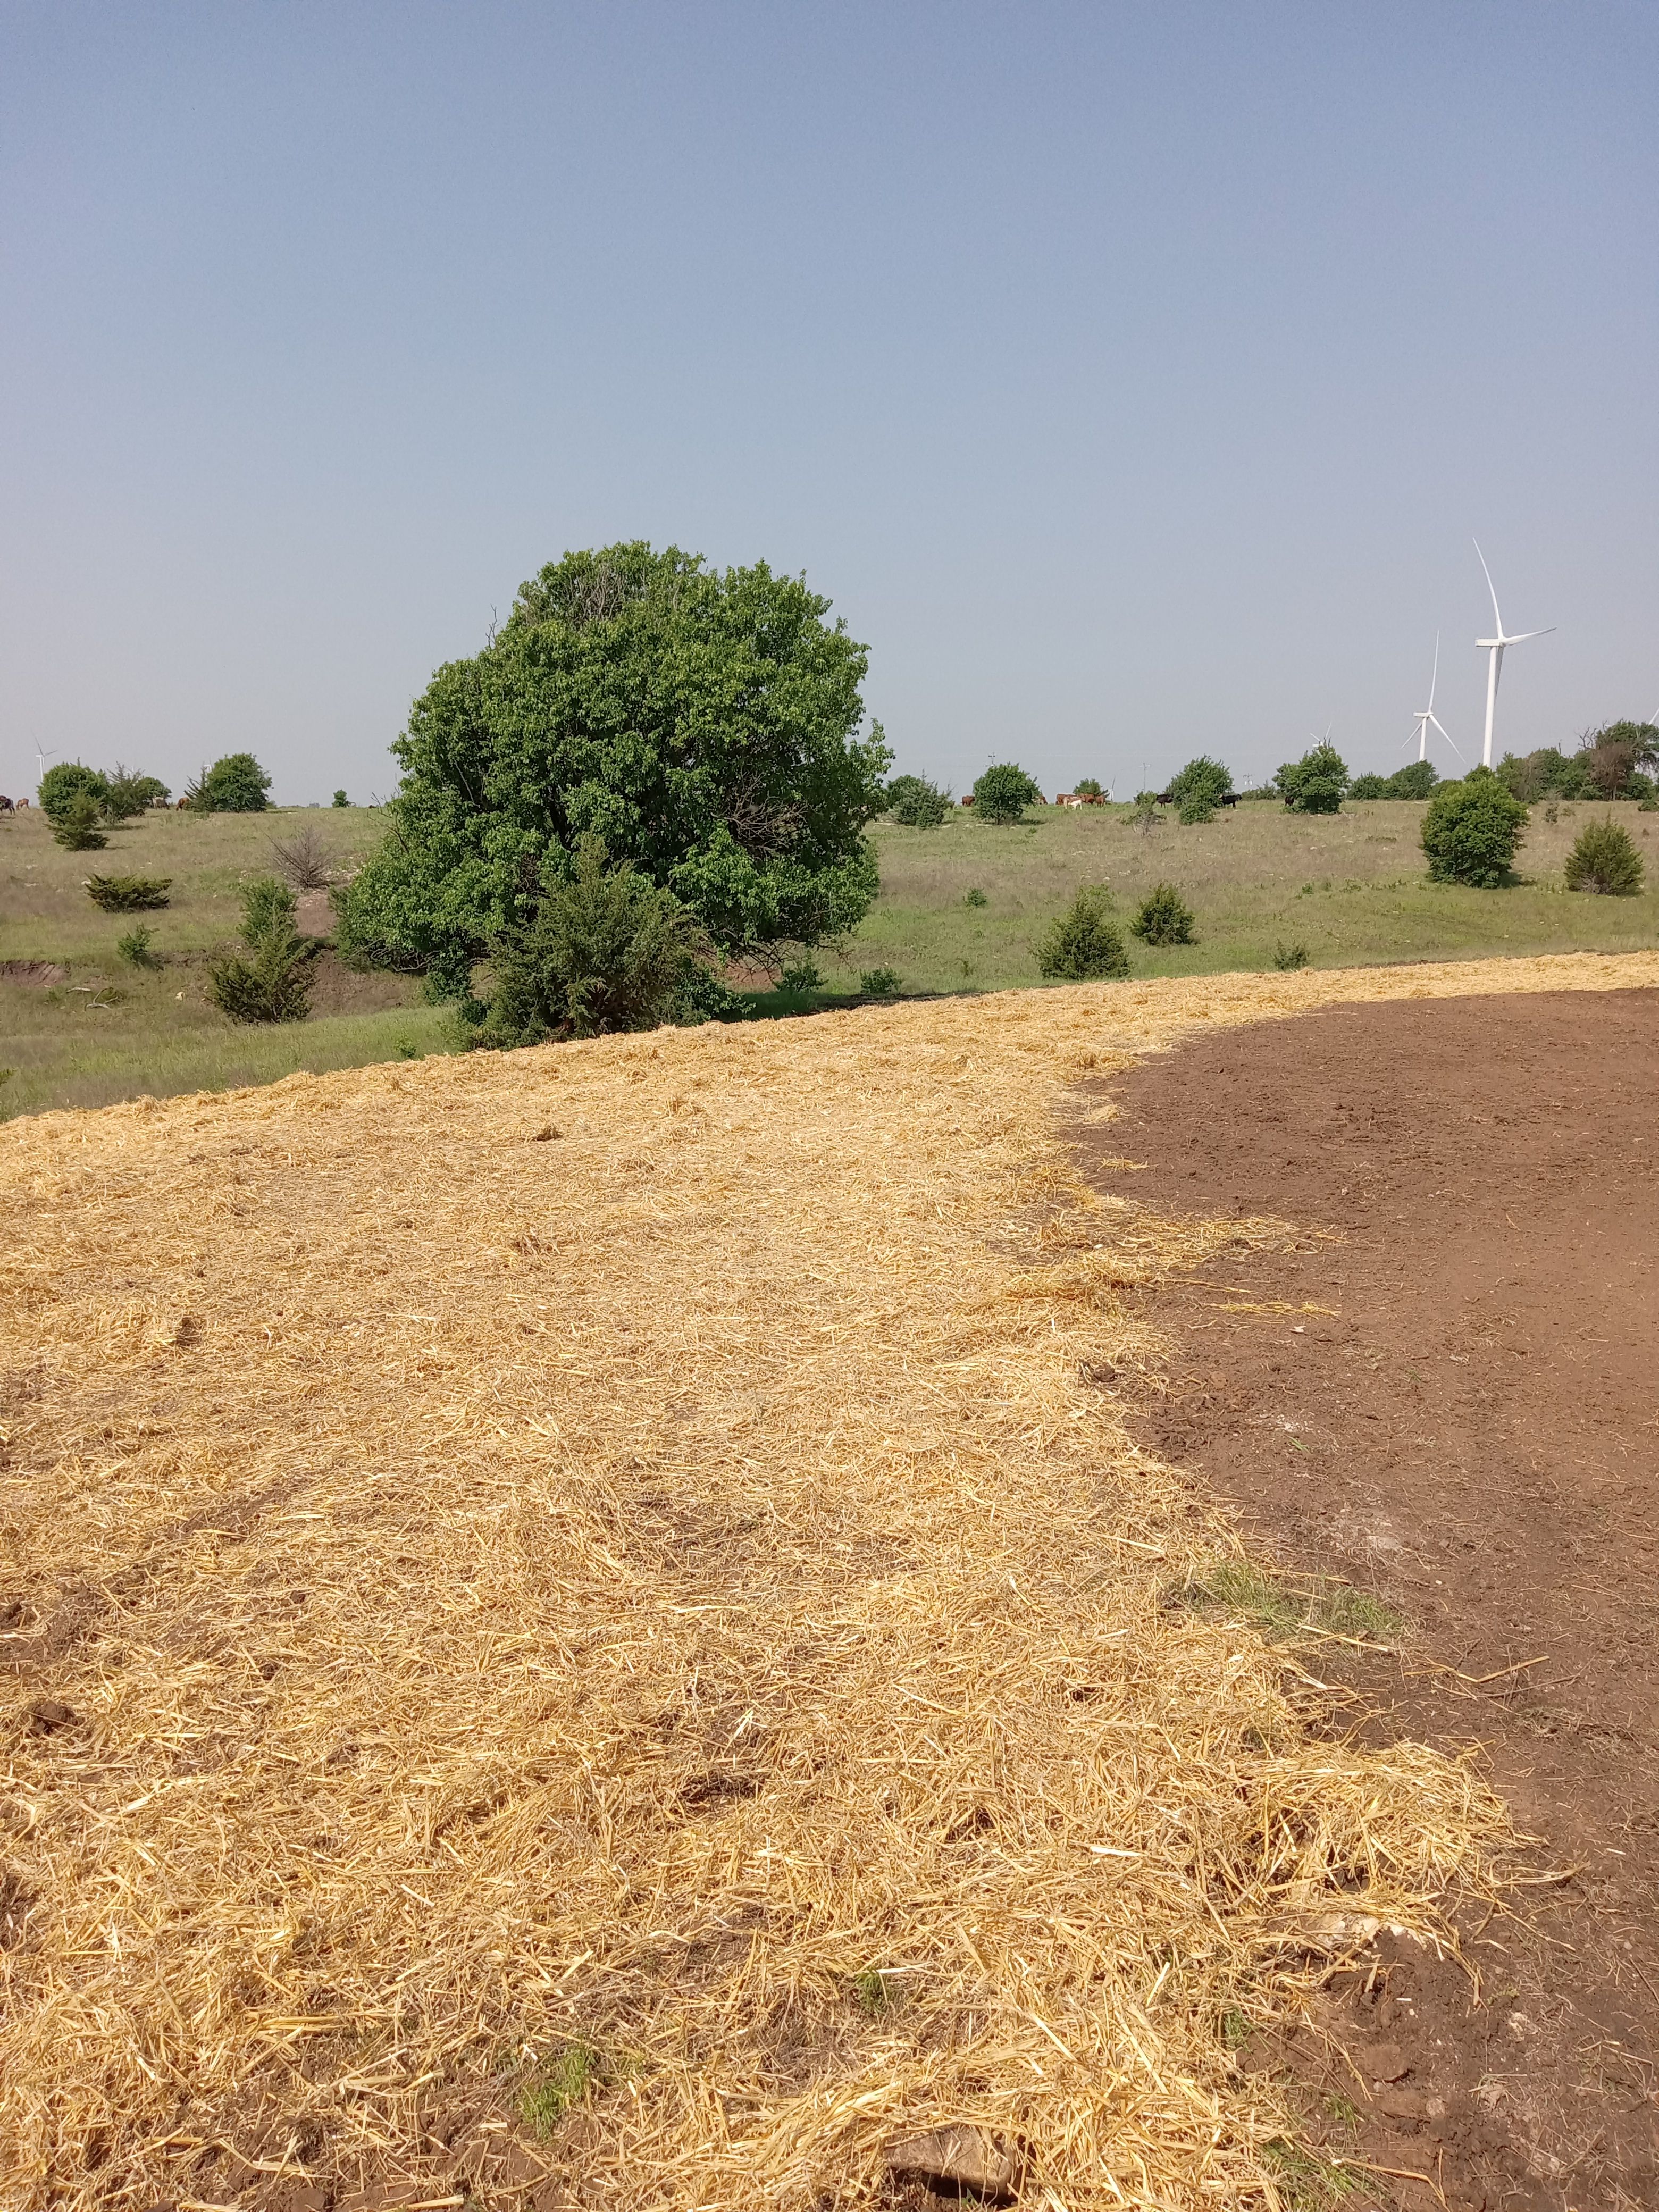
[
  {"x": 272, "y": 982},
  {"x": 1083, "y": 944},
  {"x": 915, "y": 802},
  {"x": 1164, "y": 918},
  {"x": 1002, "y": 794},
  {"x": 607, "y": 949},
  {"x": 128, "y": 894},
  {"x": 75, "y": 827},
  {"x": 1604, "y": 860},
  {"x": 134, "y": 948}
]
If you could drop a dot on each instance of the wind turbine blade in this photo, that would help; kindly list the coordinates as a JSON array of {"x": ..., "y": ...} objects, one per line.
[
  {"x": 1526, "y": 633},
  {"x": 1434, "y": 678},
  {"x": 1440, "y": 726},
  {"x": 1491, "y": 587}
]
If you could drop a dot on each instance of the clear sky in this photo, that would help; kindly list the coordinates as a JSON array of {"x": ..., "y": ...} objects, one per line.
[{"x": 1132, "y": 378}]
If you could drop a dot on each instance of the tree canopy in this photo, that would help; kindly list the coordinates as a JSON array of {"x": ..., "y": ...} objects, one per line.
[
  {"x": 704, "y": 725},
  {"x": 1003, "y": 792},
  {"x": 1471, "y": 830}
]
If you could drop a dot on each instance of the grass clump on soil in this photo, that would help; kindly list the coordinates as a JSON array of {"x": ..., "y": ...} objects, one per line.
[
  {"x": 1164, "y": 918},
  {"x": 1604, "y": 860},
  {"x": 1084, "y": 944},
  {"x": 559, "y": 2085},
  {"x": 1289, "y": 956},
  {"x": 1283, "y": 1609},
  {"x": 1304, "y": 2181},
  {"x": 129, "y": 894}
]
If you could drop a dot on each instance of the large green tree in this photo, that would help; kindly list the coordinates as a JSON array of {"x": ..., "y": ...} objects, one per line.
[{"x": 705, "y": 726}]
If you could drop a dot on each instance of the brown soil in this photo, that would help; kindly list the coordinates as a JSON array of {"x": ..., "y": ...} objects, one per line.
[{"x": 1441, "y": 1386}]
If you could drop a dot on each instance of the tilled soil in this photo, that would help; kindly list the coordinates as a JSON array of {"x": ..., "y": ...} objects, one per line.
[{"x": 1442, "y": 1386}]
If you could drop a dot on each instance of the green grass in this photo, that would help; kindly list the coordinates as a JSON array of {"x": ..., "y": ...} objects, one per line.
[
  {"x": 112, "y": 1030},
  {"x": 1284, "y": 1609},
  {"x": 1306, "y": 2183},
  {"x": 559, "y": 2084},
  {"x": 1352, "y": 887}
]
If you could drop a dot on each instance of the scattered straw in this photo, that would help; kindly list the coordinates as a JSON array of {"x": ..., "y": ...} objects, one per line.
[{"x": 637, "y": 1652}]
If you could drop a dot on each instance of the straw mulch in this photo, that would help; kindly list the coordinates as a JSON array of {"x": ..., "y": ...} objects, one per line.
[{"x": 594, "y": 1577}]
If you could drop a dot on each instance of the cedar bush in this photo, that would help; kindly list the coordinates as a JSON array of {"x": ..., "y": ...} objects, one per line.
[
  {"x": 1198, "y": 789},
  {"x": 1164, "y": 918},
  {"x": 1472, "y": 829},
  {"x": 272, "y": 982},
  {"x": 1604, "y": 860},
  {"x": 135, "y": 947},
  {"x": 128, "y": 894},
  {"x": 75, "y": 827},
  {"x": 61, "y": 786},
  {"x": 1083, "y": 944},
  {"x": 607, "y": 949}
]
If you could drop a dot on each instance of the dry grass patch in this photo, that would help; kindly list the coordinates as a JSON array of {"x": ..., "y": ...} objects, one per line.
[{"x": 638, "y": 1652}]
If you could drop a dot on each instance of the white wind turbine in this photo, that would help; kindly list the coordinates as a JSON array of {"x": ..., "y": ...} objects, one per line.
[
  {"x": 1495, "y": 645},
  {"x": 1426, "y": 714}
]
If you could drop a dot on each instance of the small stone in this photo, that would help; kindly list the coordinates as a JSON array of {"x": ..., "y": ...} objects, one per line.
[{"x": 965, "y": 2157}]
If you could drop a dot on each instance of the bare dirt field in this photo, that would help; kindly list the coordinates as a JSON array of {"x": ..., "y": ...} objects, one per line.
[
  {"x": 593, "y": 1628},
  {"x": 1441, "y": 1385}
]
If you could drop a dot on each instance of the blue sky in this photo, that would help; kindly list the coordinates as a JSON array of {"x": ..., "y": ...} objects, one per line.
[{"x": 1132, "y": 379}]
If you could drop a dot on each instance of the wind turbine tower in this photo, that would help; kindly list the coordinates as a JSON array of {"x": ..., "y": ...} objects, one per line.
[
  {"x": 1495, "y": 645},
  {"x": 1426, "y": 714}
]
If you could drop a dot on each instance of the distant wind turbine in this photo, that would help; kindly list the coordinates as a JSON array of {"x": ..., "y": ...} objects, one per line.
[
  {"x": 1426, "y": 715},
  {"x": 1495, "y": 645}
]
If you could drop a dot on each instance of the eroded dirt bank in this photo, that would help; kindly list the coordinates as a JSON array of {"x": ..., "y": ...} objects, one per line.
[{"x": 1443, "y": 1389}]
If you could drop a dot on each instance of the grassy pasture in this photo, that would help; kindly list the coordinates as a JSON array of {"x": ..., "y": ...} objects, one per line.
[
  {"x": 109, "y": 1031},
  {"x": 1352, "y": 888}
]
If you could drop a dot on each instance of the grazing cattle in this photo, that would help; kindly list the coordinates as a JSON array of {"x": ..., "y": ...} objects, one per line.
[
  {"x": 6, "y": 806},
  {"x": 1227, "y": 798}
]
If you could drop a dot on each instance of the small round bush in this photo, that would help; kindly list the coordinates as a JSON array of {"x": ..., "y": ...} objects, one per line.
[
  {"x": 1200, "y": 787},
  {"x": 1316, "y": 783},
  {"x": 1002, "y": 794},
  {"x": 61, "y": 786},
  {"x": 1471, "y": 830},
  {"x": 1082, "y": 945},
  {"x": 915, "y": 802},
  {"x": 1370, "y": 786},
  {"x": 1164, "y": 918},
  {"x": 236, "y": 784},
  {"x": 1604, "y": 860}
]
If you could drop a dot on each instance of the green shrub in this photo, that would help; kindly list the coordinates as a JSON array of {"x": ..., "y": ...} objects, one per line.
[
  {"x": 75, "y": 827},
  {"x": 1316, "y": 783},
  {"x": 1604, "y": 860},
  {"x": 1164, "y": 918},
  {"x": 1083, "y": 944},
  {"x": 1088, "y": 787},
  {"x": 236, "y": 784},
  {"x": 880, "y": 983},
  {"x": 800, "y": 979},
  {"x": 1289, "y": 956},
  {"x": 916, "y": 803},
  {"x": 607, "y": 949},
  {"x": 340, "y": 799},
  {"x": 1471, "y": 830},
  {"x": 272, "y": 982},
  {"x": 62, "y": 786},
  {"x": 135, "y": 947},
  {"x": 1002, "y": 794},
  {"x": 1419, "y": 779},
  {"x": 1200, "y": 787},
  {"x": 559, "y": 2084},
  {"x": 1144, "y": 815},
  {"x": 1368, "y": 787},
  {"x": 128, "y": 793},
  {"x": 974, "y": 898},
  {"x": 128, "y": 894}
]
